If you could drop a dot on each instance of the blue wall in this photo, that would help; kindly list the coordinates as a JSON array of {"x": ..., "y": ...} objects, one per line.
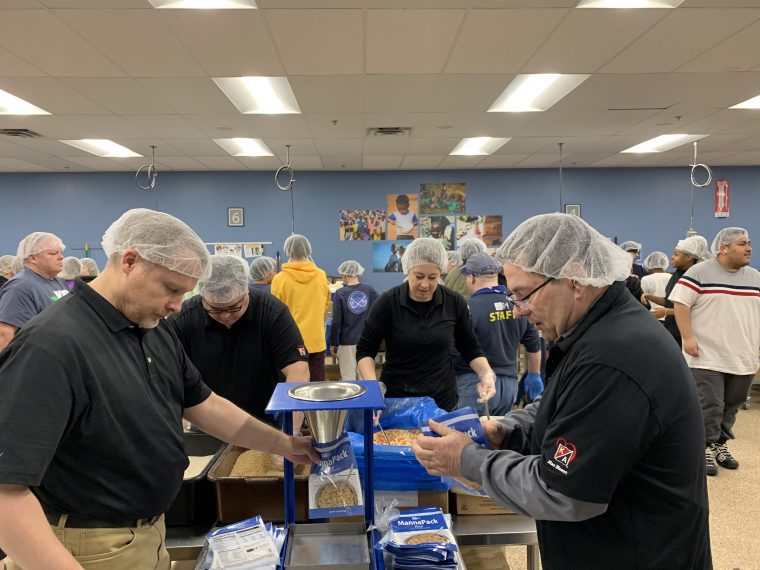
[{"x": 650, "y": 205}]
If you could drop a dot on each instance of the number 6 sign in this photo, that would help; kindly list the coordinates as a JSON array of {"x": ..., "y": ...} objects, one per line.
[{"x": 235, "y": 218}]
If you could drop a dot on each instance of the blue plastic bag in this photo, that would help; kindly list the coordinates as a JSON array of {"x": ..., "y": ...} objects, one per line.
[{"x": 401, "y": 413}]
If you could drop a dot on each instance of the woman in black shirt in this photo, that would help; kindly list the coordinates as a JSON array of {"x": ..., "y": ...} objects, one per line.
[{"x": 419, "y": 321}]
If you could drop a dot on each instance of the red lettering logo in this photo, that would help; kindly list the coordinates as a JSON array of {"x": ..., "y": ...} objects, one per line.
[{"x": 565, "y": 453}]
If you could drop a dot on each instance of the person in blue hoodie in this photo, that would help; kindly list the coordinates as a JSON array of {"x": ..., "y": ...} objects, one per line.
[
  {"x": 263, "y": 269},
  {"x": 500, "y": 333},
  {"x": 350, "y": 309}
]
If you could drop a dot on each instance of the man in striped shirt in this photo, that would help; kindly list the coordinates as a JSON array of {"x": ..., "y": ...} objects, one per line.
[{"x": 717, "y": 309}]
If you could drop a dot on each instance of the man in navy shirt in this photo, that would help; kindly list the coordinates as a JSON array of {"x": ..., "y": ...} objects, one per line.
[
  {"x": 350, "y": 309},
  {"x": 499, "y": 332}
]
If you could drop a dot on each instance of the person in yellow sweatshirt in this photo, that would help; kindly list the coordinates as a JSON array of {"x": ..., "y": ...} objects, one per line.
[{"x": 302, "y": 286}]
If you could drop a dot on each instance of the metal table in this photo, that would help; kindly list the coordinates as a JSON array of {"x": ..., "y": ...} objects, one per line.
[{"x": 498, "y": 530}]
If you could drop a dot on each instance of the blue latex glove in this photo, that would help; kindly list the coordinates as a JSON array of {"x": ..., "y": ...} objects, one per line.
[{"x": 534, "y": 387}]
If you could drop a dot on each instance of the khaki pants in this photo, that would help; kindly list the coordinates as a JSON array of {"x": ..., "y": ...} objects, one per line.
[
  {"x": 136, "y": 548},
  {"x": 347, "y": 362}
]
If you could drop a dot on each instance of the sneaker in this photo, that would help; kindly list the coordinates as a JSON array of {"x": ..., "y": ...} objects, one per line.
[
  {"x": 710, "y": 467},
  {"x": 723, "y": 456}
]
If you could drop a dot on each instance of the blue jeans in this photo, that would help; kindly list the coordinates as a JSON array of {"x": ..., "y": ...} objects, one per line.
[{"x": 500, "y": 404}]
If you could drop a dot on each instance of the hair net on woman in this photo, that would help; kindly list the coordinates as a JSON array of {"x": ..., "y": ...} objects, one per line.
[
  {"x": 6, "y": 264},
  {"x": 228, "y": 280},
  {"x": 563, "y": 246},
  {"x": 37, "y": 242},
  {"x": 630, "y": 246},
  {"x": 18, "y": 264},
  {"x": 159, "y": 238},
  {"x": 91, "y": 265},
  {"x": 72, "y": 267},
  {"x": 726, "y": 236},
  {"x": 657, "y": 260},
  {"x": 424, "y": 250},
  {"x": 350, "y": 268},
  {"x": 261, "y": 267},
  {"x": 470, "y": 246},
  {"x": 454, "y": 257},
  {"x": 695, "y": 246},
  {"x": 297, "y": 247}
]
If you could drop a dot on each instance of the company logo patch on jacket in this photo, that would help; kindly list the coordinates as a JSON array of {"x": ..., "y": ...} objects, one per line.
[
  {"x": 358, "y": 301},
  {"x": 564, "y": 455},
  {"x": 301, "y": 350}
]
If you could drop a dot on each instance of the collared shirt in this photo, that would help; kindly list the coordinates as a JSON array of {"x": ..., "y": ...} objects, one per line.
[
  {"x": 27, "y": 294},
  {"x": 242, "y": 363},
  {"x": 91, "y": 410},
  {"x": 418, "y": 348}
]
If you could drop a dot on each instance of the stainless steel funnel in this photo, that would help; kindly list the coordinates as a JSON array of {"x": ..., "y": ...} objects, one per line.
[{"x": 326, "y": 425}]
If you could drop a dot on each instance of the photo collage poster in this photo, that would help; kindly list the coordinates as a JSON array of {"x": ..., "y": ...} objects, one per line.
[
  {"x": 447, "y": 199},
  {"x": 486, "y": 228},
  {"x": 442, "y": 228},
  {"x": 362, "y": 225},
  {"x": 386, "y": 256},
  {"x": 403, "y": 221}
]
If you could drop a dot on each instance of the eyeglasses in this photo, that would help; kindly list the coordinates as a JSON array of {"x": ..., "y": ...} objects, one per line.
[
  {"x": 523, "y": 303},
  {"x": 229, "y": 310}
]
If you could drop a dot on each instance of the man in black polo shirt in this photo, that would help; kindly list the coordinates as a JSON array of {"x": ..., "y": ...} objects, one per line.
[
  {"x": 610, "y": 460},
  {"x": 242, "y": 341},
  {"x": 93, "y": 391}
]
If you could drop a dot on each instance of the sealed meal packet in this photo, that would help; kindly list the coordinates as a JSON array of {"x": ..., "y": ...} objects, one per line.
[
  {"x": 246, "y": 545},
  {"x": 467, "y": 421},
  {"x": 334, "y": 486},
  {"x": 419, "y": 539}
]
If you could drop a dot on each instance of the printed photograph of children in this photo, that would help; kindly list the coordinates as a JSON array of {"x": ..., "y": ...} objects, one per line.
[
  {"x": 402, "y": 216},
  {"x": 443, "y": 198},
  {"x": 386, "y": 256},
  {"x": 487, "y": 228},
  {"x": 362, "y": 225},
  {"x": 441, "y": 228}
]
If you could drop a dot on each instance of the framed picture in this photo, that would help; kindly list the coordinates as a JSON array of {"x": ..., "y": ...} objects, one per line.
[
  {"x": 573, "y": 209},
  {"x": 235, "y": 217}
]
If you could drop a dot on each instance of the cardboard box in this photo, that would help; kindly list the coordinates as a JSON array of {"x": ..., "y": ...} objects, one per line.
[
  {"x": 464, "y": 504},
  {"x": 239, "y": 498},
  {"x": 406, "y": 500}
]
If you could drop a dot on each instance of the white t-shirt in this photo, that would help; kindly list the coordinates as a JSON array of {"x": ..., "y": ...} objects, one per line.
[
  {"x": 404, "y": 222},
  {"x": 655, "y": 284},
  {"x": 725, "y": 316}
]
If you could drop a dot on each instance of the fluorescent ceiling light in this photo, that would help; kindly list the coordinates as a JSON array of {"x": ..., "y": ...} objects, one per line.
[
  {"x": 535, "y": 92},
  {"x": 259, "y": 95},
  {"x": 102, "y": 147},
  {"x": 663, "y": 143},
  {"x": 204, "y": 4},
  {"x": 244, "y": 147},
  {"x": 478, "y": 146},
  {"x": 629, "y": 3},
  {"x": 12, "y": 105},
  {"x": 753, "y": 103}
]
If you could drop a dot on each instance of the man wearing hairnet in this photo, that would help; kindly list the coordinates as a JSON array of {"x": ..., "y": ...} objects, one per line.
[
  {"x": 654, "y": 284},
  {"x": 717, "y": 309},
  {"x": 634, "y": 249},
  {"x": 263, "y": 270},
  {"x": 90, "y": 269},
  {"x": 609, "y": 460},
  {"x": 35, "y": 287},
  {"x": 72, "y": 268},
  {"x": 7, "y": 269},
  {"x": 454, "y": 279},
  {"x": 350, "y": 309},
  {"x": 302, "y": 286},
  {"x": 94, "y": 390},
  {"x": 688, "y": 252},
  {"x": 242, "y": 341},
  {"x": 419, "y": 321}
]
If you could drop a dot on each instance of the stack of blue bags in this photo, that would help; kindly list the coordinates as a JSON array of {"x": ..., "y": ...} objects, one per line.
[{"x": 420, "y": 539}]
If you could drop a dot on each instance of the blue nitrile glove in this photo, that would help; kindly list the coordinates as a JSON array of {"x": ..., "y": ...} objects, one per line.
[{"x": 534, "y": 387}]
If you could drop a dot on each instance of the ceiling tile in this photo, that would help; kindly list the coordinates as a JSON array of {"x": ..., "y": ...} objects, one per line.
[
  {"x": 341, "y": 162},
  {"x": 165, "y": 126},
  {"x": 318, "y": 42},
  {"x": 429, "y": 146},
  {"x": 347, "y": 147},
  {"x": 197, "y": 147},
  {"x": 347, "y": 126},
  {"x": 52, "y": 95},
  {"x": 385, "y": 146},
  {"x": 255, "y": 126},
  {"x": 329, "y": 93},
  {"x": 15, "y": 66},
  {"x": 502, "y": 160},
  {"x": 613, "y": 91},
  {"x": 21, "y": 165},
  {"x": 410, "y": 41},
  {"x": 190, "y": 95},
  {"x": 500, "y": 41},
  {"x": 102, "y": 127},
  {"x": 270, "y": 163},
  {"x": 221, "y": 162},
  {"x": 121, "y": 95},
  {"x": 98, "y": 163},
  {"x": 450, "y": 162},
  {"x": 739, "y": 52},
  {"x": 179, "y": 163},
  {"x": 381, "y": 162},
  {"x": 421, "y": 162}
]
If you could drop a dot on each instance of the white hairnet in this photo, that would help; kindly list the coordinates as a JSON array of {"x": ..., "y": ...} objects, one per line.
[
  {"x": 297, "y": 247},
  {"x": 90, "y": 264},
  {"x": 261, "y": 267},
  {"x": 159, "y": 238},
  {"x": 657, "y": 260},
  {"x": 564, "y": 246},
  {"x": 228, "y": 280},
  {"x": 630, "y": 246},
  {"x": 350, "y": 268},
  {"x": 38, "y": 242},
  {"x": 6, "y": 264},
  {"x": 470, "y": 246},
  {"x": 726, "y": 236},
  {"x": 424, "y": 250},
  {"x": 695, "y": 246},
  {"x": 72, "y": 267},
  {"x": 454, "y": 257},
  {"x": 18, "y": 264}
]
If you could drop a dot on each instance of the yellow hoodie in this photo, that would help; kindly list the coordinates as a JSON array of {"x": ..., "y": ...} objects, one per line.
[{"x": 302, "y": 286}]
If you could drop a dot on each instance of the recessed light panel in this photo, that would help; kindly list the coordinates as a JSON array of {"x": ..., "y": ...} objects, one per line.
[
  {"x": 478, "y": 146},
  {"x": 663, "y": 143},
  {"x": 535, "y": 92},
  {"x": 753, "y": 103},
  {"x": 204, "y": 4},
  {"x": 102, "y": 147},
  {"x": 627, "y": 4},
  {"x": 12, "y": 105},
  {"x": 259, "y": 95},
  {"x": 244, "y": 147}
]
